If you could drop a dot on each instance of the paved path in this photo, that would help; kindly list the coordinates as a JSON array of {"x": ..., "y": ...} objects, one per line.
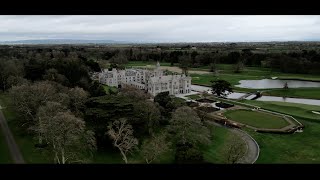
[
  {"x": 253, "y": 149},
  {"x": 12, "y": 145}
]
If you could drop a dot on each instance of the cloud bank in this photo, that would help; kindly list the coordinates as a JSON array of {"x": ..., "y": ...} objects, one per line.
[{"x": 156, "y": 28}]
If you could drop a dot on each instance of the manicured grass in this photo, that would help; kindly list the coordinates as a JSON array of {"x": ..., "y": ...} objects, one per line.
[
  {"x": 216, "y": 151},
  {"x": 312, "y": 93},
  {"x": 293, "y": 148},
  {"x": 110, "y": 88},
  {"x": 294, "y": 109},
  {"x": 5, "y": 156},
  {"x": 25, "y": 141},
  {"x": 193, "y": 96},
  {"x": 256, "y": 119}
]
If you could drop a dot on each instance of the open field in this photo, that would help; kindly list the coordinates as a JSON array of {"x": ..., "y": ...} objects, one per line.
[{"x": 256, "y": 119}]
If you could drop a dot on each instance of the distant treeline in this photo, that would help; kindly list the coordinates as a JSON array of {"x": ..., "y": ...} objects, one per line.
[
  {"x": 68, "y": 66},
  {"x": 74, "y": 63}
]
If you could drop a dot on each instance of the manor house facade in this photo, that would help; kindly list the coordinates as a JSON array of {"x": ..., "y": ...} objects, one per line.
[{"x": 152, "y": 81}]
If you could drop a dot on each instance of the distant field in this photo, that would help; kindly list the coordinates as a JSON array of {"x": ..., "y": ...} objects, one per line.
[{"x": 256, "y": 119}]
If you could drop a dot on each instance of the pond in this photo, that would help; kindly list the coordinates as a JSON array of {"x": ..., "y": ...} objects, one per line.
[{"x": 271, "y": 83}]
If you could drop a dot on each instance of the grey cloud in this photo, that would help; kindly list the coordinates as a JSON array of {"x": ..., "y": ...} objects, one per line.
[{"x": 161, "y": 28}]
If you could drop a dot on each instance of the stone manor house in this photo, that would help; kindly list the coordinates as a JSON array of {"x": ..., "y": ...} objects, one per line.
[{"x": 152, "y": 81}]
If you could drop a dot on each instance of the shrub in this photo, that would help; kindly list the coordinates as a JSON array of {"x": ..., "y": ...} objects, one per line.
[
  {"x": 192, "y": 104},
  {"x": 205, "y": 100},
  {"x": 224, "y": 105},
  {"x": 208, "y": 109}
]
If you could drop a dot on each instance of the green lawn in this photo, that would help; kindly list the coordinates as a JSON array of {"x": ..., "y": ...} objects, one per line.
[
  {"x": 293, "y": 148},
  {"x": 294, "y": 109},
  {"x": 312, "y": 93},
  {"x": 216, "y": 151},
  {"x": 193, "y": 96},
  {"x": 5, "y": 157},
  {"x": 25, "y": 141},
  {"x": 256, "y": 119}
]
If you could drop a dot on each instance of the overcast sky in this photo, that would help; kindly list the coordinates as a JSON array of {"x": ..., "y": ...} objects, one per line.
[{"x": 184, "y": 28}]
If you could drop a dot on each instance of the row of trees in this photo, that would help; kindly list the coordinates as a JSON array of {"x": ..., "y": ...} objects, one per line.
[
  {"x": 53, "y": 114},
  {"x": 293, "y": 62},
  {"x": 49, "y": 89}
]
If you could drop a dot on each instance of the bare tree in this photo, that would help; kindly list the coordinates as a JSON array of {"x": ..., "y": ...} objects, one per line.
[
  {"x": 155, "y": 147},
  {"x": 188, "y": 127},
  {"x": 78, "y": 97},
  {"x": 53, "y": 75},
  {"x": 29, "y": 97},
  {"x": 235, "y": 151},
  {"x": 119, "y": 58},
  {"x": 185, "y": 63},
  {"x": 122, "y": 135},
  {"x": 238, "y": 67},
  {"x": 9, "y": 68},
  {"x": 45, "y": 115},
  {"x": 15, "y": 81},
  {"x": 68, "y": 138}
]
